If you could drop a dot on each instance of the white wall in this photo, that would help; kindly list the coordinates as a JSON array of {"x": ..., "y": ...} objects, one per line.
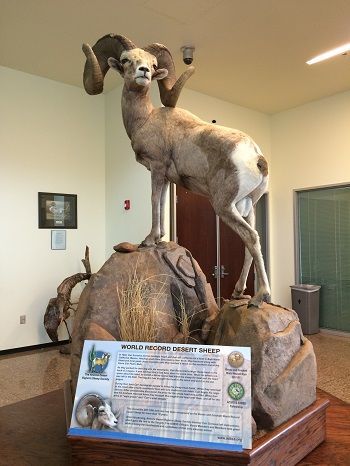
[
  {"x": 127, "y": 179},
  {"x": 51, "y": 139},
  {"x": 310, "y": 147}
]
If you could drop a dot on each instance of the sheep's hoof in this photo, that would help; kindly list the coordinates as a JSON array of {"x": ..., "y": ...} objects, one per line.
[
  {"x": 238, "y": 303},
  {"x": 240, "y": 296},
  {"x": 258, "y": 301},
  {"x": 147, "y": 244}
]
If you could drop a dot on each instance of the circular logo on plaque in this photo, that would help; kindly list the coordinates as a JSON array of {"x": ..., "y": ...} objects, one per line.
[
  {"x": 236, "y": 390},
  {"x": 235, "y": 359}
]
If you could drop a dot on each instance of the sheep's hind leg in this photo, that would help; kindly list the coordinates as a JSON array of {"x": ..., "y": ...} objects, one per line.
[
  {"x": 250, "y": 237},
  {"x": 241, "y": 284}
]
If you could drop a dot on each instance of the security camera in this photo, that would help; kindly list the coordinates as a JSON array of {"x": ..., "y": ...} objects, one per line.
[{"x": 187, "y": 54}]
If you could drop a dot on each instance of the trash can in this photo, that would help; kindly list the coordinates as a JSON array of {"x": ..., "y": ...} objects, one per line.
[{"x": 305, "y": 301}]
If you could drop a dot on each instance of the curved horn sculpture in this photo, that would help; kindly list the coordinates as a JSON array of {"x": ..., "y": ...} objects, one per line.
[
  {"x": 169, "y": 87},
  {"x": 96, "y": 65},
  {"x": 58, "y": 307}
]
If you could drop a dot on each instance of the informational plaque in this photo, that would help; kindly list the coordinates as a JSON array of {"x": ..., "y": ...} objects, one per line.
[{"x": 195, "y": 395}]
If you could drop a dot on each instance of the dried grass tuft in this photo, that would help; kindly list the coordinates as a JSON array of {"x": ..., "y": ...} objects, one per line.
[
  {"x": 140, "y": 303},
  {"x": 185, "y": 318}
]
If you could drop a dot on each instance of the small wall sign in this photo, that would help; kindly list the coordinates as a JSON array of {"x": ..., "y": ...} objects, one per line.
[{"x": 58, "y": 239}]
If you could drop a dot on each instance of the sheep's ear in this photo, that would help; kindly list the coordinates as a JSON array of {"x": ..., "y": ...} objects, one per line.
[
  {"x": 160, "y": 74},
  {"x": 116, "y": 65}
]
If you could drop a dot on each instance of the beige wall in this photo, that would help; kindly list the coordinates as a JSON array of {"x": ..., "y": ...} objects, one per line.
[
  {"x": 310, "y": 147},
  {"x": 127, "y": 179},
  {"x": 51, "y": 139}
]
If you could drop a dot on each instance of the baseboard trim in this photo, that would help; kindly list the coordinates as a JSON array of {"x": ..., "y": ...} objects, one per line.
[
  {"x": 34, "y": 347},
  {"x": 334, "y": 333}
]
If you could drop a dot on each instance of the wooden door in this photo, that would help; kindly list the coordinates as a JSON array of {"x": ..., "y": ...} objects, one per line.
[
  {"x": 196, "y": 230},
  {"x": 231, "y": 258}
]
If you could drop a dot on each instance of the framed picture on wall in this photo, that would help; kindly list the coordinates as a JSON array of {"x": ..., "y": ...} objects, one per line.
[{"x": 57, "y": 210}]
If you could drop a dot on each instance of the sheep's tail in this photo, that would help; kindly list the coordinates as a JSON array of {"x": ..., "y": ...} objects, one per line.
[{"x": 263, "y": 165}]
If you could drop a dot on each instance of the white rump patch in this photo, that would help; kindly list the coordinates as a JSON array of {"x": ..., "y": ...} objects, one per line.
[{"x": 245, "y": 159}]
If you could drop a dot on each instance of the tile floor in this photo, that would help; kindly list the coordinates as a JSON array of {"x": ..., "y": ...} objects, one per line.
[
  {"x": 28, "y": 374},
  {"x": 25, "y": 375},
  {"x": 333, "y": 364}
]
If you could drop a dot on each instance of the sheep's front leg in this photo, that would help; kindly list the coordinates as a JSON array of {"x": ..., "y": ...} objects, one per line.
[
  {"x": 162, "y": 207},
  {"x": 158, "y": 182}
]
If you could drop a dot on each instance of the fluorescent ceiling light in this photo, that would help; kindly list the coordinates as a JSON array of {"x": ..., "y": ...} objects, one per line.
[{"x": 331, "y": 53}]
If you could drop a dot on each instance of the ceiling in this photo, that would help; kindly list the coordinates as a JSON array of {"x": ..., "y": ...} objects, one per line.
[{"x": 248, "y": 52}]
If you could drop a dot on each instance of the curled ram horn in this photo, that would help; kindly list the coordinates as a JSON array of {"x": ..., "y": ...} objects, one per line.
[
  {"x": 96, "y": 65},
  {"x": 169, "y": 87},
  {"x": 94, "y": 412}
]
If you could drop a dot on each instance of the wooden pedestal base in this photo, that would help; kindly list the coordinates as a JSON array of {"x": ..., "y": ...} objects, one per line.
[{"x": 288, "y": 444}]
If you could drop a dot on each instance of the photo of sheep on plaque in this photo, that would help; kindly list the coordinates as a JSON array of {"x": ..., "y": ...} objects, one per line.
[{"x": 95, "y": 412}]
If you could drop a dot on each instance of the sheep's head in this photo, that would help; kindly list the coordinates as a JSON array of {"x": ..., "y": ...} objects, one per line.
[
  {"x": 106, "y": 416},
  {"x": 112, "y": 50},
  {"x": 138, "y": 68}
]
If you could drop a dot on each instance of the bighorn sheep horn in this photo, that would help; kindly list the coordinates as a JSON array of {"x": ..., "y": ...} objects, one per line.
[
  {"x": 85, "y": 409},
  {"x": 96, "y": 65},
  {"x": 169, "y": 87}
]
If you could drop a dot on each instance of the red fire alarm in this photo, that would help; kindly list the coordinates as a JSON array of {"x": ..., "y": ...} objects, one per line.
[{"x": 127, "y": 204}]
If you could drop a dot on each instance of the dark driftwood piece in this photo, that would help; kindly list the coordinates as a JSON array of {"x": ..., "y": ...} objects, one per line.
[{"x": 58, "y": 309}]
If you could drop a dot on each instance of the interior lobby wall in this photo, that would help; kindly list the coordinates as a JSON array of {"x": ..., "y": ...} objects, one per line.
[
  {"x": 51, "y": 140},
  {"x": 310, "y": 148}
]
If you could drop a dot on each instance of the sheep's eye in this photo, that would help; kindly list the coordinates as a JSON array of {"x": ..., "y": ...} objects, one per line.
[
  {"x": 125, "y": 60},
  {"x": 155, "y": 67}
]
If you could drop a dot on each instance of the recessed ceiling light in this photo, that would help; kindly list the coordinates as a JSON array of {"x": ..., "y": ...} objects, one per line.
[{"x": 331, "y": 53}]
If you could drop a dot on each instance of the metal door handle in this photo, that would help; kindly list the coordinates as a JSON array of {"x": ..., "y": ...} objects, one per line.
[{"x": 222, "y": 272}]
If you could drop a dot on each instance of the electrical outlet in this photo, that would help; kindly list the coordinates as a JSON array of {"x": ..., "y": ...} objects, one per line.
[{"x": 22, "y": 319}]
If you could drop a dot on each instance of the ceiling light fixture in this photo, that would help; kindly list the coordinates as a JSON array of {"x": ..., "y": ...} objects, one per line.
[{"x": 343, "y": 49}]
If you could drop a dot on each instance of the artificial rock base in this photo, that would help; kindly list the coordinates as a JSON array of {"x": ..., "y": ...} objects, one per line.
[
  {"x": 283, "y": 360},
  {"x": 163, "y": 277}
]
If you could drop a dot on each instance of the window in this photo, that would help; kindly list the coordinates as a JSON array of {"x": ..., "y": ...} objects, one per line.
[{"x": 323, "y": 256}]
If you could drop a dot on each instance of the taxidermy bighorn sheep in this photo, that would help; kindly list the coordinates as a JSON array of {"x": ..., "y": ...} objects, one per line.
[{"x": 221, "y": 163}]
